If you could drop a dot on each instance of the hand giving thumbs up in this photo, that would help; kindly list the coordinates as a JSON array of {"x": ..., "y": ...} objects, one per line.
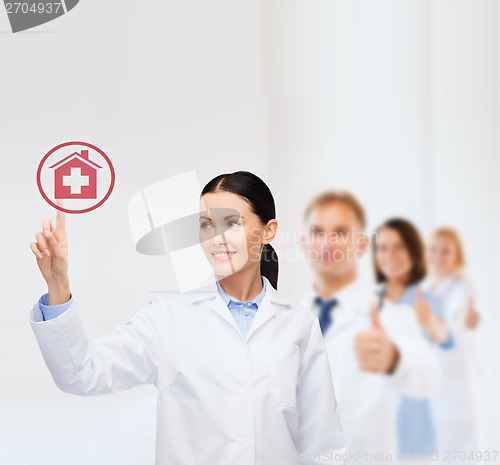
[
  {"x": 423, "y": 310},
  {"x": 472, "y": 317},
  {"x": 375, "y": 351}
]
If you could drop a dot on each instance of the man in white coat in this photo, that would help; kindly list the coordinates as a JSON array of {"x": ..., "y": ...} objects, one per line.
[{"x": 376, "y": 352}]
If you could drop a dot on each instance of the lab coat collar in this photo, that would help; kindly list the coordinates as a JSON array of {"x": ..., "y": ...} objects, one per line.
[
  {"x": 265, "y": 312},
  {"x": 347, "y": 296},
  {"x": 443, "y": 288},
  {"x": 353, "y": 304},
  {"x": 210, "y": 291}
]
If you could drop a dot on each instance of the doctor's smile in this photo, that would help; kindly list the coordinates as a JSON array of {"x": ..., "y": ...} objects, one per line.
[
  {"x": 235, "y": 362},
  {"x": 223, "y": 255}
]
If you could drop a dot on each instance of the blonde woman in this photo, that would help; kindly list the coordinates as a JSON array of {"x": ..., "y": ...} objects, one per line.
[{"x": 455, "y": 407}]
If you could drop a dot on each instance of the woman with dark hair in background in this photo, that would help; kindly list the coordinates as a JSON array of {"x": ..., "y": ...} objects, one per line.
[
  {"x": 399, "y": 264},
  {"x": 242, "y": 373}
]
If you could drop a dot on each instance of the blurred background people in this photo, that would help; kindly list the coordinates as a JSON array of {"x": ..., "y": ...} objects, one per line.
[
  {"x": 399, "y": 263},
  {"x": 455, "y": 407},
  {"x": 375, "y": 357}
]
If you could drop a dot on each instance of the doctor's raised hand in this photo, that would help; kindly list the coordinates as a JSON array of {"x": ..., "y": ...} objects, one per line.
[
  {"x": 219, "y": 356},
  {"x": 51, "y": 251}
]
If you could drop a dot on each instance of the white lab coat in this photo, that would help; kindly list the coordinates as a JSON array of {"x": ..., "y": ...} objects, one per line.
[
  {"x": 368, "y": 402},
  {"x": 455, "y": 406},
  {"x": 222, "y": 399}
]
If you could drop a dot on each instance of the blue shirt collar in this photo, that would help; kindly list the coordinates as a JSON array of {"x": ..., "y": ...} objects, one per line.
[
  {"x": 229, "y": 298},
  {"x": 408, "y": 297}
]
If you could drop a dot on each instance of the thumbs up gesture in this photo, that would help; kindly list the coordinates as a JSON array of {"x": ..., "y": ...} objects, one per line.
[
  {"x": 472, "y": 317},
  {"x": 423, "y": 310},
  {"x": 374, "y": 350}
]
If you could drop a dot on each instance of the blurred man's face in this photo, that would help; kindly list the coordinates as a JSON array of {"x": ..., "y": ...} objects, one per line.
[{"x": 334, "y": 240}]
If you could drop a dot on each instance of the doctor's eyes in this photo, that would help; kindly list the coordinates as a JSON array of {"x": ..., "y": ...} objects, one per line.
[{"x": 229, "y": 224}]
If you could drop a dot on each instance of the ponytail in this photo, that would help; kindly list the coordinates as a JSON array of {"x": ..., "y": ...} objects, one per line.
[{"x": 269, "y": 264}]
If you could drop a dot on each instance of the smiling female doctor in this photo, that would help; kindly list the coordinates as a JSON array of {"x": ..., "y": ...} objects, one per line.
[{"x": 242, "y": 373}]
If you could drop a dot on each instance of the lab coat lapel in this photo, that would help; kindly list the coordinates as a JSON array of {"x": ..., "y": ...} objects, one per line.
[
  {"x": 264, "y": 313},
  {"x": 216, "y": 304},
  {"x": 219, "y": 307},
  {"x": 267, "y": 308},
  {"x": 339, "y": 321}
]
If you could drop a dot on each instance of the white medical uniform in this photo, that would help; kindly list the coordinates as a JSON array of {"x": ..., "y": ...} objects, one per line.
[
  {"x": 455, "y": 408},
  {"x": 223, "y": 399},
  {"x": 368, "y": 402}
]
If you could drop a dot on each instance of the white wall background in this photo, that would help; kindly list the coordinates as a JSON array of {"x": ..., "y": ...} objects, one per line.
[{"x": 395, "y": 101}]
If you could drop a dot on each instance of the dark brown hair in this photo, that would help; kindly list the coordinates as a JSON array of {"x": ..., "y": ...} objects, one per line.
[{"x": 414, "y": 244}]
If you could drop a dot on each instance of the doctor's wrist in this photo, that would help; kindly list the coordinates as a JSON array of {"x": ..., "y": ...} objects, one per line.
[{"x": 59, "y": 292}]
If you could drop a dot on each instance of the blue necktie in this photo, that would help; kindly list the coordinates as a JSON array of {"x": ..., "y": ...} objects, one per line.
[{"x": 325, "y": 312}]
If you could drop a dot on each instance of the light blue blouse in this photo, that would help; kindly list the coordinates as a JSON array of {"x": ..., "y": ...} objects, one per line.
[
  {"x": 243, "y": 312},
  {"x": 416, "y": 434}
]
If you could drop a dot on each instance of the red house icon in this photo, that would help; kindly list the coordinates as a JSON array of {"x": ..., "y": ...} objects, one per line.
[{"x": 75, "y": 177}]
